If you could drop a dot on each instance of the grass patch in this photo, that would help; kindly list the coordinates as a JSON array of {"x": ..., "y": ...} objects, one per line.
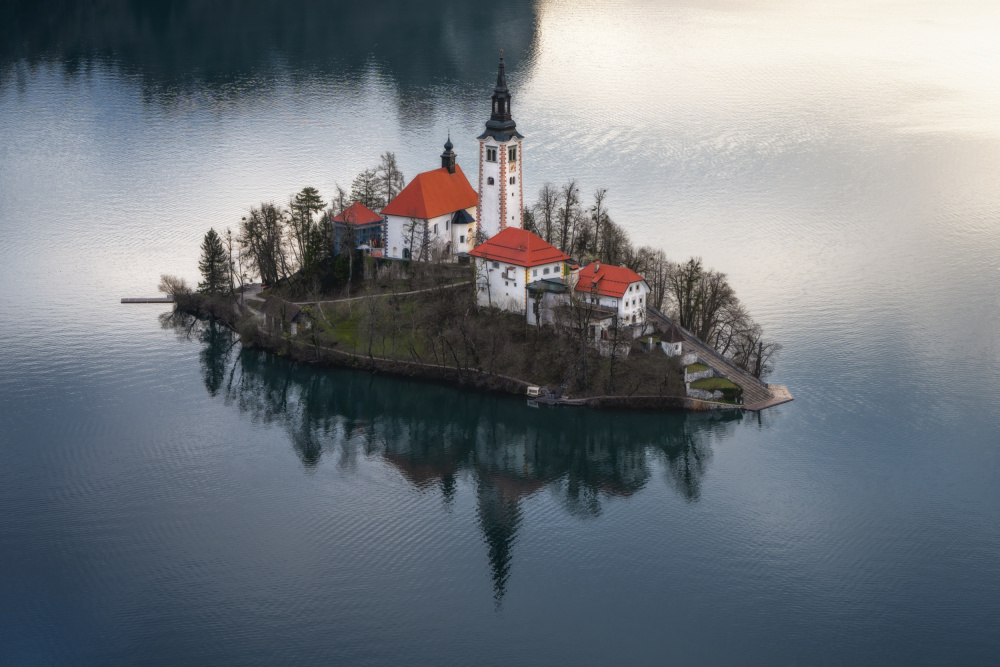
[
  {"x": 696, "y": 368},
  {"x": 712, "y": 384}
]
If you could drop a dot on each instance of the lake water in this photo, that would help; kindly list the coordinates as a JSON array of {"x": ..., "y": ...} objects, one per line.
[{"x": 168, "y": 498}]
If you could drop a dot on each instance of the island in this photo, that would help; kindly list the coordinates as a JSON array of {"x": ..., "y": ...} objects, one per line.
[{"x": 436, "y": 279}]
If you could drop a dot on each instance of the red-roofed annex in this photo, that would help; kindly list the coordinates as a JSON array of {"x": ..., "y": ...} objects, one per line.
[
  {"x": 519, "y": 247},
  {"x": 606, "y": 279},
  {"x": 358, "y": 214}
]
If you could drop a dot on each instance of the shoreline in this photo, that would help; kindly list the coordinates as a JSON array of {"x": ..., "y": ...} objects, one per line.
[{"x": 324, "y": 356}]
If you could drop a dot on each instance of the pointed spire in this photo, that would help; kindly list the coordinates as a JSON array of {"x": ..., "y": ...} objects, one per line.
[
  {"x": 501, "y": 124},
  {"x": 501, "y": 78}
]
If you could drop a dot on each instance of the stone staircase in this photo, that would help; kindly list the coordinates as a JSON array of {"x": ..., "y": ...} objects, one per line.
[{"x": 755, "y": 392}]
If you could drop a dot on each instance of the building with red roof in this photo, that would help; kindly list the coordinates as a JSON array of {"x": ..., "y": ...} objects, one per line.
[
  {"x": 506, "y": 263},
  {"x": 358, "y": 225},
  {"x": 433, "y": 215},
  {"x": 615, "y": 287}
]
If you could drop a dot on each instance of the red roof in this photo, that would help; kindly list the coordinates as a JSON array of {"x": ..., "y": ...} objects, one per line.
[
  {"x": 358, "y": 214},
  {"x": 433, "y": 193},
  {"x": 611, "y": 280},
  {"x": 519, "y": 247}
]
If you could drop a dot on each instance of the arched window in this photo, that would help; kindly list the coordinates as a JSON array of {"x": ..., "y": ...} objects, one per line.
[
  {"x": 489, "y": 180},
  {"x": 406, "y": 253},
  {"x": 512, "y": 181}
]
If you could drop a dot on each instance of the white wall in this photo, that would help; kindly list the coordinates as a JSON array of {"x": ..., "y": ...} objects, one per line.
[
  {"x": 538, "y": 272},
  {"x": 397, "y": 235},
  {"x": 508, "y": 293},
  {"x": 632, "y": 303},
  {"x": 490, "y": 196}
]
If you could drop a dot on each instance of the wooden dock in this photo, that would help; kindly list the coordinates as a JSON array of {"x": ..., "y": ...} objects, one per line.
[{"x": 152, "y": 299}]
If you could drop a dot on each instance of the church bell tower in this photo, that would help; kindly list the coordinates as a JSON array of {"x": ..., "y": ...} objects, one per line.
[{"x": 501, "y": 197}]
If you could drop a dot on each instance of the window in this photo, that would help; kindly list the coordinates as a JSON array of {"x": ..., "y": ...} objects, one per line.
[
  {"x": 394, "y": 253},
  {"x": 489, "y": 181},
  {"x": 512, "y": 180},
  {"x": 491, "y": 153},
  {"x": 546, "y": 271},
  {"x": 435, "y": 228},
  {"x": 506, "y": 284},
  {"x": 496, "y": 265},
  {"x": 447, "y": 225},
  {"x": 512, "y": 154},
  {"x": 534, "y": 272},
  {"x": 461, "y": 239},
  {"x": 406, "y": 253}
]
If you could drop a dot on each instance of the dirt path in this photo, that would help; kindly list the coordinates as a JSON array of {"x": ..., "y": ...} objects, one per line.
[{"x": 355, "y": 298}]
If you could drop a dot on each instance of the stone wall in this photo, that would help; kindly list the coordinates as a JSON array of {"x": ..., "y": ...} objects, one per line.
[{"x": 704, "y": 395}]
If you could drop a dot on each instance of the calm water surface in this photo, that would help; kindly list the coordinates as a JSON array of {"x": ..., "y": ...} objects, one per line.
[{"x": 169, "y": 498}]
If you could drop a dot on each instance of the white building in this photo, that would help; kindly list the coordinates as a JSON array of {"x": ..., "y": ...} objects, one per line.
[
  {"x": 617, "y": 290},
  {"x": 507, "y": 262},
  {"x": 432, "y": 216},
  {"x": 501, "y": 163}
]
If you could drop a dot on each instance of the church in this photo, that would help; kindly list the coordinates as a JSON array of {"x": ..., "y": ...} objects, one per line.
[{"x": 439, "y": 215}]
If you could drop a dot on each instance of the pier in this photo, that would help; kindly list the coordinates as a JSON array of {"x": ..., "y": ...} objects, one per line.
[{"x": 151, "y": 299}]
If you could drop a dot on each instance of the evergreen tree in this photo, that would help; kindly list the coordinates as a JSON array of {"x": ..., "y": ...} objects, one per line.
[
  {"x": 366, "y": 190},
  {"x": 213, "y": 265},
  {"x": 306, "y": 203},
  {"x": 303, "y": 230}
]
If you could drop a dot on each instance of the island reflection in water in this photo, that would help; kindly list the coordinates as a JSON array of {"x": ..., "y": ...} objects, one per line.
[{"x": 433, "y": 433}]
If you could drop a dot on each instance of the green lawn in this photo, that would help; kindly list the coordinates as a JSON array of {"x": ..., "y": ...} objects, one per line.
[
  {"x": 711, "y": 384},
  {"x": 696, "y": 368}
]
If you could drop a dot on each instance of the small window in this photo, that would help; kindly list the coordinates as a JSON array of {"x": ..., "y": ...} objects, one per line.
[
  {"x": 512, "y": 154},
  {"x": 506, "y": 284},
  {"x": 461, "y": 239},
  {"x": 394, "y": 253},
  {"x": 447, "y": 225},
  {"x": 512, "y": 181},
  {"x": 489, "y": 180},
  {"x": 491, "y": 153},
  {"x": 406, "y": 253},
  {"x": 546, "y": 271},
  {"x": 435, "y": 228},
  {"x": 496, "y": 265}
]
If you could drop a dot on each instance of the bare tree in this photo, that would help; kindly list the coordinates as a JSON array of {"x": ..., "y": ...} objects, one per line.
[
  {"x": 340, "y": 200},
  {"x": 615, "y": 245},
  {"x": 232, "y": 251},
  {"x": 173, "y": 286},
  {"x": 598, "y": 216},
  {"x": 262, "y": 238},
  {"x": 545, "y": 208},
  {"x": 568, "y": 212}
]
